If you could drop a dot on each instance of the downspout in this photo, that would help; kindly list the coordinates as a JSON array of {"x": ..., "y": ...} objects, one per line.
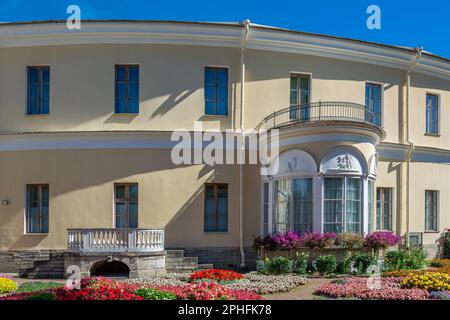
[
  {"x": 409, "y": 142},
  {"x": 246, "y": 25}
]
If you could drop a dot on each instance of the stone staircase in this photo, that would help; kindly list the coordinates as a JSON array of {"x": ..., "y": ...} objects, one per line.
[{"x": 177, "y": 262}]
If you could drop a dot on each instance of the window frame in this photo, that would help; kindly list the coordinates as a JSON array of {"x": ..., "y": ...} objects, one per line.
[
  {"x": 344, "y": 202},
  {"x": 215, "y": 114},
  {"x": 438, "y": 114},
  {"x": 426, "y": 229},
  {"x": 127, "y": 98},
  {"x": 391, "y": 207},
  {"x": 127, "y": 201},
  {"x": 216, "y": 207},
  {"x": 300, "y": 114},
  {"x": 381, "y": 113},
  {"x": 28, "y": 96},
  {"x": 27, "y": 205}
]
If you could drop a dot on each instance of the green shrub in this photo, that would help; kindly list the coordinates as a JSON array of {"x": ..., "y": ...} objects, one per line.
[
  {"x": 300, "y": 263},
  {"x": 325, "y": 264},
  {"x": 154, "y": 294},
  {"x": 357, "y": 263},
  {"x": 447, "y": 244},
  {"x": 279, "y": 265},
  {"x": 350, "y": 240},
  {"x": 42, "y": 296},
  {"x": 38, "y": 286},
  {"x": 408, "y": 259}
]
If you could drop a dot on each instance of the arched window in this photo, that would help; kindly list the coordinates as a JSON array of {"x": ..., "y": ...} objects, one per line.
[
  {"x": 343, "y": 169},
  {"x": 291, "y": 190}
]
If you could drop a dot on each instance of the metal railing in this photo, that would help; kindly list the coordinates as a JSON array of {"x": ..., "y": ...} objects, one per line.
[
  {"x": 319, "y": 111},
  {"x": 115, "y": 240}
]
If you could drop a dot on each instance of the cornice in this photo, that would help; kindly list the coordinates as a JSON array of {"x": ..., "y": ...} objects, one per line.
[{"x": 220, "y": 34}]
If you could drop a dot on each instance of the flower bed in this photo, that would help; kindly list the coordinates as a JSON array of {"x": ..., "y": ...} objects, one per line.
[
  {"x": 105, "y": 289},
  {"x": 261, "y": 284},
  {"x": 220, "y": 276},
  {"x": 390, "y": 289},
  {"x": 7, "y": 284},
  {"x": 434, "y": 281}
]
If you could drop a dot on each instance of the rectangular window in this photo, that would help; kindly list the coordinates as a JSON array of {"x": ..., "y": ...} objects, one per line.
[
  {"x": 432, "y": 116},
  {"x": 294, "y": 205},
  {"x": 37, "y": 208},
  {"x": 126, "y": 205},
  {"x": 342, "y": 205},
  {"x": 373, "y": 103},
  {"x": 216, "y": 91},
  {"x": 299, "y": 96},
  {"x": 266, "y": 208},
  {"x": 127, "y": 89},
  {"x": 371, "y": 204},
  {"x": 384, "y": 209},
  {"x": 216, "y": 208},
  {"x": 38, "y": 97},
  {"x": 431, "y": 210}
]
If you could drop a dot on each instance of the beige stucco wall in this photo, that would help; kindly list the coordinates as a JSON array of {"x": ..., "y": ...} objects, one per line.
[
  {"x": 171, "y": 97},
  {"x": 82, "y": 86},
  {"x": 81, "y": 195}
]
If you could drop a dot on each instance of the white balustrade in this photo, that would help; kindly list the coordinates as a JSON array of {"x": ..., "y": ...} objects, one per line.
[{"x": 115, "y": 240}]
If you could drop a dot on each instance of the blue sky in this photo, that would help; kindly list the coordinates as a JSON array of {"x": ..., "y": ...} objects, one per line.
[{"x": 403, "y": 22}]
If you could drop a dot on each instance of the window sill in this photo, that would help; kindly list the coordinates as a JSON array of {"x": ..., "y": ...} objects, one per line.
[
  {"x": 37, "y": 115},
  {"x": 431, "y": 231},
  {"x": 125, "y": 113},
  {"x": 436, "y": 135},
  {"x": 35, "y": 234},
  {"x": 216, "y": 232},
  {"x": 216, "y": 115}
]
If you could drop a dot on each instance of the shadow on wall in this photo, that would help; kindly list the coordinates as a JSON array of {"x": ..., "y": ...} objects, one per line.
[
  {"x": 96, "y": 168},
  {"x": 115, "y": 269}
]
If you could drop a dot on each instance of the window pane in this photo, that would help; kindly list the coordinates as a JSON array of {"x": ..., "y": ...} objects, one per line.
[
  {"x": 210, "y": 76},
  {"x": 209, "y": 107},
  {"x": 120, "y": 192},
  {"x": 222, "y": 209},
  {"x": 266, "y": 208},
  {"x": 302, "y": 205},
  {"x": 282, "y": 218},
  {"x": 133, "y": 192},
  {"x": 46, "y": 75},
  {"x": 222, "y": 93},
  {"x": 133, "y": 215},
  {"x": 210, "y": 93},
  {"x": 133, "y": 73},
  {"x": 222, "y": 108},
  {"x": 120, "y": 214},
  {"x": 133, "y": 91},
  {"x": 133, "y": 106},
  {"x": 222, "y": 77},
  {"x": 121, "y": 73}
]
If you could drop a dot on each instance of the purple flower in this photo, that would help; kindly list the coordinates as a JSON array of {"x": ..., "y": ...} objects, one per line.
[
  {"x": 317, "y": 240},
  {"x": 381, "y": 240}
]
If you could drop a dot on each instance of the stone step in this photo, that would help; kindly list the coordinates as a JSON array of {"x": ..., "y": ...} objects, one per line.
[
  {"x": 174, "y": 253},
  {"x": 205, "y": 266}
]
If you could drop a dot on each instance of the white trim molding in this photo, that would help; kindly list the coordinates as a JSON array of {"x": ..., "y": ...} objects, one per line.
[{"x": 220, "y": 34}]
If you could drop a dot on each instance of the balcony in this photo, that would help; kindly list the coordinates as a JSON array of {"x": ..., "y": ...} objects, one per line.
[
  {"x": 115, "y": 240},
  {"x": 321, "y": 113}
]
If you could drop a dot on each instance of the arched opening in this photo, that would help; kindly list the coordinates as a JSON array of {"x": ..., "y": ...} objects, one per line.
[{"x": 113, "y": 269}]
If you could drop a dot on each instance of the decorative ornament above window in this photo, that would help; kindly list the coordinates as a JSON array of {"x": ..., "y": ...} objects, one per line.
[
  {"x": 343, "y": 160},
  {"x": 293, "y": 162}
]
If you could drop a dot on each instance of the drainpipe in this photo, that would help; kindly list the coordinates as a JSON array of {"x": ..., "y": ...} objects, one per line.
[
  {"x": 409, "y": 142},
  {"x": 246, "y": 25}
]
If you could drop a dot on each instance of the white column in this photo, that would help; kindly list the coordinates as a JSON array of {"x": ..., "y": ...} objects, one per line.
[
  {"x": 318, "y": 203},
  {"x": 365, "y": 204}
]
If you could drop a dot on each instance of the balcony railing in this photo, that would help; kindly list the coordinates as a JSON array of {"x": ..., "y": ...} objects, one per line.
[
  {"x": 115, "y": 240},
  {"x": 319, "y": 111}
]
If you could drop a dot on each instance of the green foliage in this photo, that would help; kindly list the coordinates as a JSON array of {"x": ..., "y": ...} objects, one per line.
[
  {"x": 357, "y": 263},
  {"x": 447, "y": 244},
  {"x": 350, "y": 240},
  {"x": 325, "y": 264},
  {"x": 154, "y": 294},
  {"x": 300, "y": 264},
  {"x": 42, "y": 296},
  {"x": 408, "y": 259},
  {"x": 279, "y": 265},
  {"x": 38, "y": 286}
]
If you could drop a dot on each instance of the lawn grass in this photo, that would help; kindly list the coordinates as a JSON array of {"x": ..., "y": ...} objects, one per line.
[{"x": 37, "y": 286}]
